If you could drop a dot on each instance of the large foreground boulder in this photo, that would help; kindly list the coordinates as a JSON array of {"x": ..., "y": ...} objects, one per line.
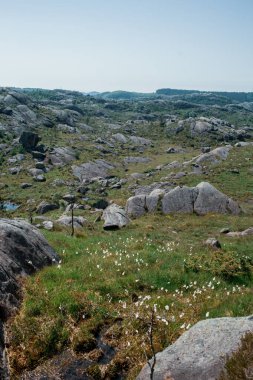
[
  {"x": 115, "y": 217},
  {"x": 201, "y": 352},
  {"x": 23, "y": 250}
]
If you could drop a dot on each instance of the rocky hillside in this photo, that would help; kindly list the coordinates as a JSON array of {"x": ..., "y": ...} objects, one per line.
[{"x": 148, "y": 202}]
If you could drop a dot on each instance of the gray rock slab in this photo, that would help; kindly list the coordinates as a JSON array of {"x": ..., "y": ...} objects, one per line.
[{"x": 201, "y": 352}]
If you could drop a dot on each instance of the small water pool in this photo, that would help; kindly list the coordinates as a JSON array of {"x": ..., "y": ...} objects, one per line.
[{"x": 8, "y": 206}]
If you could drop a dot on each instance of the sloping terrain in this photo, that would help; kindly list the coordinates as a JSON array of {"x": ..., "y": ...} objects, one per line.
[{"x": 65, "y": 157}]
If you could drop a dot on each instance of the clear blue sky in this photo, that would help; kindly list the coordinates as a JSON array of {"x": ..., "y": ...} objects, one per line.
[{"x": 139, "y": 45}]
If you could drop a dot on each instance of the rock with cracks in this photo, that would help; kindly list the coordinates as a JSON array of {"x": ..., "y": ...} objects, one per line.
[{"x": 115, "y": 217}]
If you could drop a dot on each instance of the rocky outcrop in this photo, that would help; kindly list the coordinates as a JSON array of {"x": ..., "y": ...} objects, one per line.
[
  {"x": 61, "y": 156},
  {"x": 201, "y": 352},
  {"x": 207, "y": 128},
  {"x": 90, "y": 170},
  {"x": 212, "y": 157},
  {"x": 115, "y": 217},
  {"x": 136, "y": 160},
  {"x": 23, "y": 250},
  {"x": 202, "y": 199}
]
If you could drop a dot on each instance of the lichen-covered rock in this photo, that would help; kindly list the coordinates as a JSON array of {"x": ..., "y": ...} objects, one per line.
[{"x": 201, "y": 352}]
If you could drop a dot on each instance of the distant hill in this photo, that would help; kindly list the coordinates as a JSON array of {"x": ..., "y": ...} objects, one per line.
[
  {"x": 123, "y": 95},
  {"x": 233, "y": 96}
]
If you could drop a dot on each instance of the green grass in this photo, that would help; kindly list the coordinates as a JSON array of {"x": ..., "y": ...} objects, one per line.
[{"x": 105, "y": 276}]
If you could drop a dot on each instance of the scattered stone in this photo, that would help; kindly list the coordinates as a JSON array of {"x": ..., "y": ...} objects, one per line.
[
  {"x": 70, "y": 198},
  {"x": 38, "y": 155},
  {"x": 48, "y": 225},
  {"x": 136, "y": 160},
  {"x": 101, "y": 204},
  {"x": 247, "y": 232},
  {"x": 45, "y": 207},
  {"x": 35, "y": 172},
  {"x": 234, "y": 171},
  {"x": 41, "y": 166},
  {"x": 25, "y": 185},
  {"x": 119, "y": 137},
  {"x": 224, "y": 230},
  {"x": 214, "y": 243},
  {"x": 139, "y": 140},
  {"x": 65, "y": 220},
  {"x": 15, "y": 170},
  {"x": 39, "y": 178}
]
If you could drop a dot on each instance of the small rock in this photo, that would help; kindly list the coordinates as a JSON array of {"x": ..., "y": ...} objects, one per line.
[
  {"x": 214, "y": 243},
  {"x": 40, "y": 165},
  {"x": 44, "y": 207},
  {"x": 48, "y": 225},
  {"x": 25, "y": 185},
  {"x": 38, "y": 155},
  {"x": 224, "y": 230},
  {"x": 39, "y": 178},
  {"x": 70, "y": 198},
  {"x": 15, "y": 170},
  {"x": 78, "y": 221}
]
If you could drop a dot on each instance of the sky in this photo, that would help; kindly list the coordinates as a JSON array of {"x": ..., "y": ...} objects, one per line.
[{"x": 134, "y": 45}]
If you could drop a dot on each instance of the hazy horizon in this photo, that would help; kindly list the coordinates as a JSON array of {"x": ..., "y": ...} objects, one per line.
[{"x": 127, "y": 45}]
